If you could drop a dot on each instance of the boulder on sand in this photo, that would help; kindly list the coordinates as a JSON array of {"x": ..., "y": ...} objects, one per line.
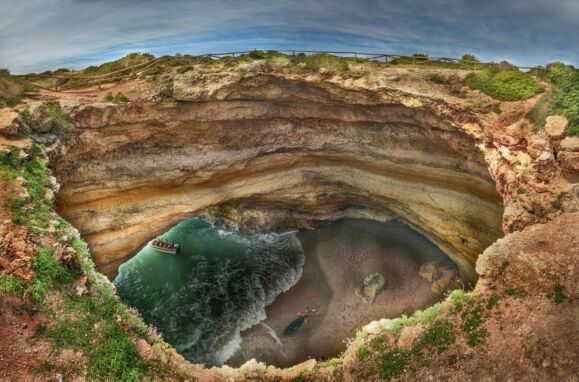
[{"x": 371, "y": 287}]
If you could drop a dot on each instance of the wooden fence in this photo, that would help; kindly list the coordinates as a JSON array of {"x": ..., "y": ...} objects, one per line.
[{"x": 134, "y": 70}]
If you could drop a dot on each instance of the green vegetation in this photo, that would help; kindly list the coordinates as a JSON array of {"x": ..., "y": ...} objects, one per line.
[
  {"x": 507, "y": 85},
  {"x": 48, "y": 274},
  {"x": 89, "y": 325},
  {"x": 321, "y": 61},
  {"x": 362, "y": 352},
  {"x": 394, "y": 361},
  {"x": 334, "y": 362},
  {"x": 117, "y": 98},
  {"x": 469, "y": 59},
  {"x": 419, "y": 316},
  {"x": 561, "y": 99},
  {"x": 34, "y": 213},
  {"x": 515, "y": 292},
  {"x": 439, "y": 335},
  {"x": 11, "y": 285},
  {"x": 122, "y": 63},
  {"x": 492, "y": 302},
  {"x": 472, "y": 322},
  {"x": 184, "y": 69},
  {"x": 11, "y": 88},
  {"x": 438, "y": 79},
  {"x": 97, "y": 324},
  {"x": 557, "y": 294}
]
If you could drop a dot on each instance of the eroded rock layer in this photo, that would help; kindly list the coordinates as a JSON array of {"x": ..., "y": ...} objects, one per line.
[{"x": 314, "y": 148}]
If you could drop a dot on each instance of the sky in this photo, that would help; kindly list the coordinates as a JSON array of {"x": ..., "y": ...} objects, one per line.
[{"x": 38, "y": 35}]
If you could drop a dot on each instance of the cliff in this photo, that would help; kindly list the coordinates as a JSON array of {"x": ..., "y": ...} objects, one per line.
[{"x": 268, "y": 146}]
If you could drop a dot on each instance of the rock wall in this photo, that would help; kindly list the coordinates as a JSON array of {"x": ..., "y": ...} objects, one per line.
[{"x": 312, "y": 146}]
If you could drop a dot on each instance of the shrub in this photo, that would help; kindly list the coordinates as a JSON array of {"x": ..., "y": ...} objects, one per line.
[
  {"x": 438, "y": 79},
  {"x": 184, "y": 69},
  {"x": 321, "y": 61},
  {"x": 468, "y": 59},
  {"x": 11, "y": 88},
  {"x": 565, "y": 81},
  {"x": 504, "y": 85},
  {"x": 117, "y": 98},
  {"x": 557, "y": 294},
  {"x": 257, "y": 54}
]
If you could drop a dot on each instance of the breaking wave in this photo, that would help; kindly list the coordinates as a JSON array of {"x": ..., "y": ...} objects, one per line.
[{"x": 216, "y": 287}]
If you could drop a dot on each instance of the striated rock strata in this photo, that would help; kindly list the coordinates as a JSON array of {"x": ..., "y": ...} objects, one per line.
[
  {"x": 316, "y": 146},
  {"x": 131, "y": 172}
]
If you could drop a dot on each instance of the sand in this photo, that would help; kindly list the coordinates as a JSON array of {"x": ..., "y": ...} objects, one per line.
[{"x": 338, "y": 257}]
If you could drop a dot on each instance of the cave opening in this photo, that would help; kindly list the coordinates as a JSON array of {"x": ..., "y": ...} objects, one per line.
[{"x": 229, "y": 294}]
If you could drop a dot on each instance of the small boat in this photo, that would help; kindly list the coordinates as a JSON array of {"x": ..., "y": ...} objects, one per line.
[
  {"x": 298, "y": 322},
  {"x": 165, "y": 246}
]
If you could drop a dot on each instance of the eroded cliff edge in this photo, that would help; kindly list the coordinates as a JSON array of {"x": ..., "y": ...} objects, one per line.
[
  {"x": 292, "y": 147},
  {"x": 315, "y": 148},
  {"x": 382, "y": 143}
]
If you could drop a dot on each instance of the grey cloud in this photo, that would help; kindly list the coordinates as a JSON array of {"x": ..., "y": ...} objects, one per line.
[{"x": 42, "y": 34}]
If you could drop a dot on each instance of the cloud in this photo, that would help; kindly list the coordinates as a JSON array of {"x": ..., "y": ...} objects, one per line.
[{"x": 45, "y": 34}]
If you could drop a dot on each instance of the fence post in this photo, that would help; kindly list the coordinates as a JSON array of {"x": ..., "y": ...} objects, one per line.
[{"x": 99, "y": 84}]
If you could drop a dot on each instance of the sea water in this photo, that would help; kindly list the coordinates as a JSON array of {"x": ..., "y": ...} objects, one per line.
[{"x": 217, "y": 286}]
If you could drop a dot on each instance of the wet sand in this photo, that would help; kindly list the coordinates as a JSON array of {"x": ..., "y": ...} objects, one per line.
[{"x": 338, "y": 257}]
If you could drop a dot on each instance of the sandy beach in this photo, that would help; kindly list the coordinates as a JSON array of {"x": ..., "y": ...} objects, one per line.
[{"x": 338, "y": 256}]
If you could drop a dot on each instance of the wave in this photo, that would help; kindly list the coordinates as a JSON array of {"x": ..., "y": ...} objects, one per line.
[{"x": 217, "y": 287}]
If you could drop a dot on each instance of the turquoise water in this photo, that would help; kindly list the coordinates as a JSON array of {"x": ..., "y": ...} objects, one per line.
[{"x": 217, "y": 286}]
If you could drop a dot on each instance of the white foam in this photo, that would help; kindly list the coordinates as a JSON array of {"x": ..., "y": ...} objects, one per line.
[{"x": 223, "y": 354}]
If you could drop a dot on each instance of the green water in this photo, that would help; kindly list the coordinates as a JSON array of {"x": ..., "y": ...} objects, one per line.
[{"x": 217, "y": 286}]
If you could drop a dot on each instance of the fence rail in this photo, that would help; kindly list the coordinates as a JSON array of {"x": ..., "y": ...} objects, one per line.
[{"x": 137, "y": 69}]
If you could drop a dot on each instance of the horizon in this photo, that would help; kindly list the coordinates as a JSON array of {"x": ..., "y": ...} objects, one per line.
[{"x": 74, "y": 34}]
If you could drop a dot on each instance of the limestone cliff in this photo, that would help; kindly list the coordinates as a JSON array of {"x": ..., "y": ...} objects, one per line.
[
  {"x": 322, "y": 147},
  {"x": 269, "y": 147}
]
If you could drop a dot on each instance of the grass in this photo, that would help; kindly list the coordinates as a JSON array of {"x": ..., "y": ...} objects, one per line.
[
  {"x": 439, "y": 335},
  {"x": 334, "y": 362},
  {"x": 394, "y": 361},
  {"x": 321, "y": 62},
  {"x": 90, "y": 327},
  {"x": 35, "y": 212},
  {"x": 11, "y": 285},
  {"x": 362, "y": 352},
  {"x": 472, "y": 325},
  {"x": 97, "y": 324},
  {"x": 48, "y": 273},
  {"x": 515, "y": 292},
  {"x": 507, "y": 85}
]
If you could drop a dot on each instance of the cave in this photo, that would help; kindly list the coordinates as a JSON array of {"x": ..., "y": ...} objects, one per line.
[{"x": 266, "y": 154}]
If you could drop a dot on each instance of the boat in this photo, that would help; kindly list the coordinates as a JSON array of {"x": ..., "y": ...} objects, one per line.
[
  {"x": 165, "y": 246},
  {"x": 294, "y": 326},
  {"x": 298, "y": 322}
]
